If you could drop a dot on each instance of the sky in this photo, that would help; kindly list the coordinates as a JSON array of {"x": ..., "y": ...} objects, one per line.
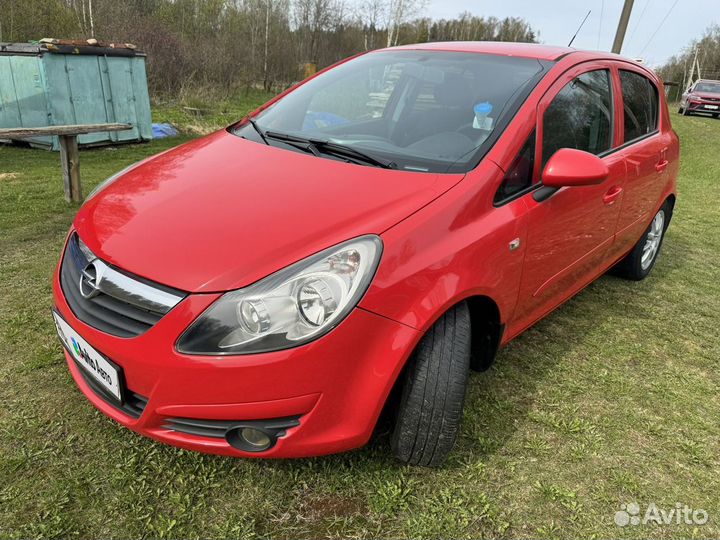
[{"x": 557, "y": 20}]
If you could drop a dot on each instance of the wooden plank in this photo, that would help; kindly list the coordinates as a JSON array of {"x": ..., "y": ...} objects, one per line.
[
  {"x": 24, "y": 133},
  {"x": 70, "y": 162}
]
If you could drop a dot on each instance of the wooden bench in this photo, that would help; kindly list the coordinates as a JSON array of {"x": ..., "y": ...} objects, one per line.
[{"x": 69, "y": 154}]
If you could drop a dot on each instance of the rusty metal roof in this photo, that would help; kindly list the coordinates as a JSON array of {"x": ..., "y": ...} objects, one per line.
[{"x": 70, "y": 46}]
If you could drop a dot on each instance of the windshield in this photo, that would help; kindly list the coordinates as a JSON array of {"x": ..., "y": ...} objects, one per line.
[
  {"x": 708, "y": 87},
  {"x": 421, "y": 110}
]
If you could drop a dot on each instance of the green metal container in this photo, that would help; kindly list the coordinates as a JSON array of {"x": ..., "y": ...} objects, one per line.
[{"x": 50, "y": 85}]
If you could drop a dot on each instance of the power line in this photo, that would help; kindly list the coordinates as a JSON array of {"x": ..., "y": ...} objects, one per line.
[
  {"x": 658, "y": 28},
  {"x": 602, "y": 10},
  {"x": 637, "y": 22}
]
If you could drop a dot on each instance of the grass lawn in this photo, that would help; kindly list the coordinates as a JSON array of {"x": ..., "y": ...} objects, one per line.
[
  {"x": 201, "y": 115},
  {"x": 612, "y": 399}
]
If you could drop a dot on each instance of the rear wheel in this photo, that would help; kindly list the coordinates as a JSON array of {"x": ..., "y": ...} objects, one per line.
[
  {"x": 641, "y": 260},
  {"x": 433, "y": 392}
]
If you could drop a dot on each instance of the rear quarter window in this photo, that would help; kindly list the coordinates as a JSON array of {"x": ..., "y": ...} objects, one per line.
[{"x": 640, "y": 105}]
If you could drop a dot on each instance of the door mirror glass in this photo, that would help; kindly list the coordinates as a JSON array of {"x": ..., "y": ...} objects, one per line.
[{"x": 570, "y": 167}]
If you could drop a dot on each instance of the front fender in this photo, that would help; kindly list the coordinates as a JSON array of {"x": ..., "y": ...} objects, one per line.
[{"x": 453, "y": 248}]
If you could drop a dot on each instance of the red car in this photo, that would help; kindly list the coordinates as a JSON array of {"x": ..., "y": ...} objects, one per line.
[
  {"x": 376, "y": 231},
  {"x": 703, "y": 97}
]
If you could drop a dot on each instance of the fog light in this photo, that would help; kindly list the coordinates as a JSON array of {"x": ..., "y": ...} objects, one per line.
[
  {"x": 251, "y": 439},
  {"x": 254, "y": 437}
]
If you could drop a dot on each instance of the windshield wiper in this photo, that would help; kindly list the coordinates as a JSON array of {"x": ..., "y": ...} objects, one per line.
[
  {"x": 318, "y": 146},
  {"x": 253, "y": 123}
]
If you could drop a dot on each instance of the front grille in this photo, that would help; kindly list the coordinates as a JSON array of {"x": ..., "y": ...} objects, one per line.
[
  {"x": 114, "y": 302},
  {"x": 133, "y": 404},
  {"x": 217, "y": 429}
]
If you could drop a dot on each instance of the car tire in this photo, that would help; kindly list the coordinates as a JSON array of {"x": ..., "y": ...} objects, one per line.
[
  {"x": 680, "y": 110},
  {"x": 686, "y": 111},
  {"x": 640, "y": 261},
  {"x": 716, "y": 115},
  {"x": 433, "y": 392}
]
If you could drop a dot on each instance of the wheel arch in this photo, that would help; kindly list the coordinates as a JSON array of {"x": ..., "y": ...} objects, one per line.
[
  {"x": 671, "y": 199},
  {"x": 487, "y": 330}
]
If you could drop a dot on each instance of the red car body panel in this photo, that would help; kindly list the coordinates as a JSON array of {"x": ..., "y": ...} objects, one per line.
[
  {"x": 444, "y": 240},
  {"x": 164, "y": 207},
  {"x": 315, "y": 381}
]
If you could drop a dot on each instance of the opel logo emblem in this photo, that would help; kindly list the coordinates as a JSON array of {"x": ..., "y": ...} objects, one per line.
[{"x": 90, "y": 278}]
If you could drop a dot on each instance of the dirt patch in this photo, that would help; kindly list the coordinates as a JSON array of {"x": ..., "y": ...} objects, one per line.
[
  {"x": 336, "y": 506},
  {"x": 8, "y": 175}
]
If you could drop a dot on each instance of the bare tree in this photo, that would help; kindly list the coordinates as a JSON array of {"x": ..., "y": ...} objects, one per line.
[{"x": 400, "y": 12}]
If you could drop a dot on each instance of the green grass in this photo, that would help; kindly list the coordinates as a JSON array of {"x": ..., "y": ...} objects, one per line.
[
  {"x": 200, "y": 115},
  {"x": 612, "y": 399}
]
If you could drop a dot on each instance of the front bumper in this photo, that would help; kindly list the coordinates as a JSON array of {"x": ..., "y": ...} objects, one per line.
[
  {"x": 336, "y": 386},
  {"x": 703, "y": 107}
]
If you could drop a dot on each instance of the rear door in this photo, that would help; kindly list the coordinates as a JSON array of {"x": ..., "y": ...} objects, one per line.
[
  {"x": 644, "y": 146},
  {"x": 570, "y": 233}
]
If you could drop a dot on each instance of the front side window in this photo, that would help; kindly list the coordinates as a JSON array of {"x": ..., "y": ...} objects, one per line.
[
  {"x": 640, "y": 105},
  {"x": 428, "y": 111},
  {"x": 519, "y": 176},
  {"x": 580, "y": 116}
]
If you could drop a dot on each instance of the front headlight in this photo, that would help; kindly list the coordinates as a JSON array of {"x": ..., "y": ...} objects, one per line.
[{"x": 289, "y": 308}]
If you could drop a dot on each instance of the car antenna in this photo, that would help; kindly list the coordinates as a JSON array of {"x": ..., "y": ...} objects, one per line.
[{"x": 580, "y": 27}]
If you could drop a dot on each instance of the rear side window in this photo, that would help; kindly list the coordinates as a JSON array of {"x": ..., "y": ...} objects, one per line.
[
  {"x": 580, "y": 116},
  {"x": 640, "y": 105},
  {"x": 519, "y": 176}
]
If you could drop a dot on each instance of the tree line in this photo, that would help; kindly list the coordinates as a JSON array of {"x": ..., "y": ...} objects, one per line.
[{"x": 226, "y": 44}]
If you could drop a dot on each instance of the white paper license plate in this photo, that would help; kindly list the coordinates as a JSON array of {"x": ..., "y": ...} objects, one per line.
[
  {"x": 713, "y": 107},
  {"x": 94, "y": 364}
]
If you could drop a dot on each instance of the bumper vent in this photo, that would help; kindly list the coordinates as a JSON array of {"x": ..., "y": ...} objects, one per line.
[
  {"x": 218, "y": 429},
  {"x": 133, "y": 406},
  {"x": 109, "y": 300}
]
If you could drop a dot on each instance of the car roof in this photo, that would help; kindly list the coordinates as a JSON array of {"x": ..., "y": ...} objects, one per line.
[
  {"x": 505, "y": 48},
  {"x": 527, "y": 50}
]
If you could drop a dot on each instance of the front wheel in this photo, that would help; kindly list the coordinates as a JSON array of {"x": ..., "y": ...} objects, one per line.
[
  {"x": 433, "y": 392},
  {"x": 640, "y": 261}
]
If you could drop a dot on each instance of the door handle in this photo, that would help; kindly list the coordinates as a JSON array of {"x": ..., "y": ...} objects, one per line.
[
  {"x": 612, "y": 195},
  {"x": 661, "y": 165}
]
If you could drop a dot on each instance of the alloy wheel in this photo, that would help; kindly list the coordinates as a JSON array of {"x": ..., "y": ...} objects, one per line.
[{"x": 652, "y": 240}]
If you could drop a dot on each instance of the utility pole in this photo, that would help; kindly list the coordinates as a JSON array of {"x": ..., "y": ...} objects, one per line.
[{"x": 622, "y": 26}]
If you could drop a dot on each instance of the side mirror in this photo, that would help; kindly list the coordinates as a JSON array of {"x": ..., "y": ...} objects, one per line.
[{"x": 571, "y": 168}]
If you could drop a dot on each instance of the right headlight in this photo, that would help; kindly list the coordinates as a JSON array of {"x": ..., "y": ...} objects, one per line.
[{"x": 289, "y": 308}]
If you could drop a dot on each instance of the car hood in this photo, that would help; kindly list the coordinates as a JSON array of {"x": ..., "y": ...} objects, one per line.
[{"x": 221, "y": 212}]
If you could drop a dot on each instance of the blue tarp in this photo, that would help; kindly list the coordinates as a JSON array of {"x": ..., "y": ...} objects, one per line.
[{"x": 160, "y": 131}]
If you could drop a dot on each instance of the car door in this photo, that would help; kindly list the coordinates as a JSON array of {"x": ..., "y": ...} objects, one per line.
[
  {"x": 570, "y": 232},
  {"x": 644, "y": 146}
]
